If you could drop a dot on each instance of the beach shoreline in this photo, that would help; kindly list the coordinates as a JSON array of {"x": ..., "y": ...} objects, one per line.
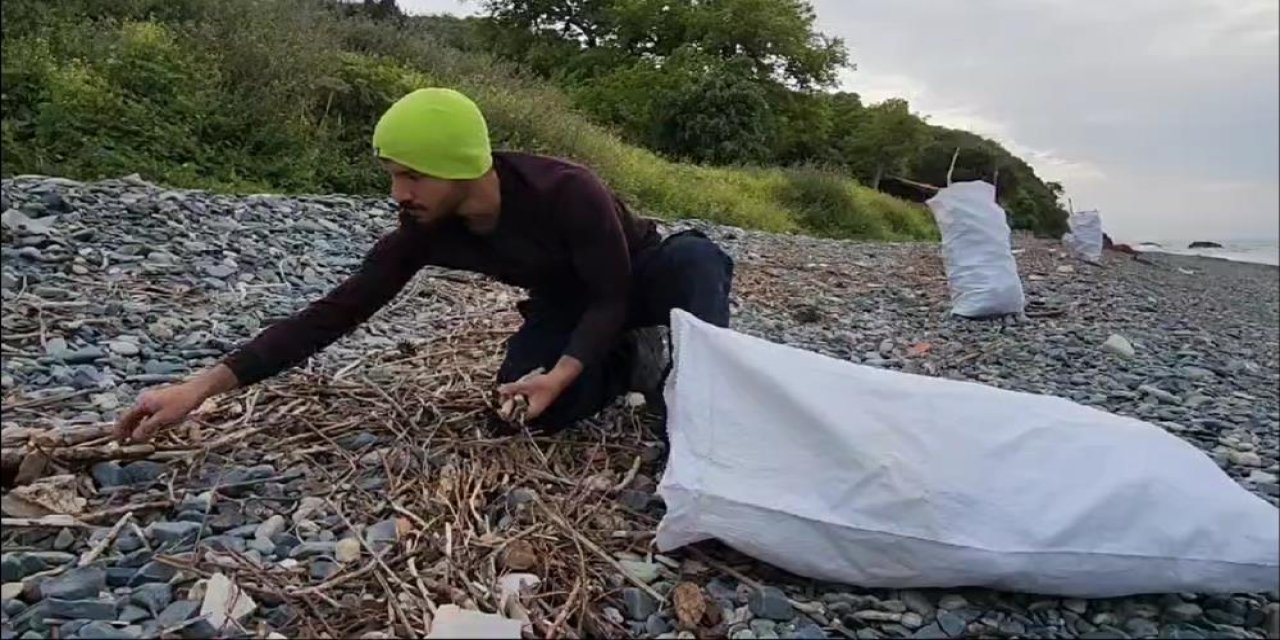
[{"x": 134, "y": 285}]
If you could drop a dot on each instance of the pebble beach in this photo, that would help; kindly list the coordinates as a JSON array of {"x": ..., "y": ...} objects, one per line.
[{"x": 325, "y": 494}]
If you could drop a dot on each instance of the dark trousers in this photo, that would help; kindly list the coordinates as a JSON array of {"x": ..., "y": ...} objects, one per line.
[{"x": 685, "y": 271}]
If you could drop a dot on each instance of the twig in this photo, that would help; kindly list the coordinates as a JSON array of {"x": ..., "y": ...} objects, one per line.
[
  {"x": 97, "y": 549},
  {"x": 599, "y": 552}
]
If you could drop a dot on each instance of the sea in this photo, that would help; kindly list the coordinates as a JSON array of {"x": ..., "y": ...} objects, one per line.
[{"x": 1257, "y": 251}]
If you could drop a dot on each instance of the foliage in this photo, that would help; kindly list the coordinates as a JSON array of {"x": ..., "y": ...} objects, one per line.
[{"x": 281, "y": 95}]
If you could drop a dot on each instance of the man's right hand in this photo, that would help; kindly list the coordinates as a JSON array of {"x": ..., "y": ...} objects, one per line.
[{"x": 164, "y": 407}]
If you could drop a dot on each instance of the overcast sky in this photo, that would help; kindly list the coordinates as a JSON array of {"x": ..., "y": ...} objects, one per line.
[{"x": 1162, "y": 114}]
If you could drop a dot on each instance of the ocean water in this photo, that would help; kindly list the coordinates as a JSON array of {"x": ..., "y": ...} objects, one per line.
[{"x": 1257, "y": 251}]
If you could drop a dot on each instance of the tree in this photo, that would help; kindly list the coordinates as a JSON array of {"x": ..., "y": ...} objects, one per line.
[
  {"x": 883, "y": 138},
  {"x": 777, "y": 37}
]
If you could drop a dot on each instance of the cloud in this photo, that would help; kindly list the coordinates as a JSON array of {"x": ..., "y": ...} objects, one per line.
[{"x": 1163, "y": 114}]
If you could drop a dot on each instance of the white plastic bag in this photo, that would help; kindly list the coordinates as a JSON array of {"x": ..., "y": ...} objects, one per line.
[
  {"x": 1085, "y": 237},
  {"x": 976, "y": 251},
  {"x": 879, "y": 478}
]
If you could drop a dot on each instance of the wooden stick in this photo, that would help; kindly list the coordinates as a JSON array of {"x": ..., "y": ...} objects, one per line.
[
  {"x": 598, "y": 551},
  {"x": 97, "y": 549}
]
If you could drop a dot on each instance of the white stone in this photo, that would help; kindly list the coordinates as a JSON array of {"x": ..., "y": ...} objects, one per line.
[
  {"x": 1119, "y": 345},
  {"x": 225, "y": 601},
  {"x": 454, "y": 622}
]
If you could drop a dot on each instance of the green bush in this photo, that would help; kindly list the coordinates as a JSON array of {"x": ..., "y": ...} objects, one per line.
[{"x": 263, "y": 95}]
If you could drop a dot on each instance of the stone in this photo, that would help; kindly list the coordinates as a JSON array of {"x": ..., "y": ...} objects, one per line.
[
  {"x": 323, "y": 569},
  {"x": 1184, "y": 612},
  {"x": 10, "y": 590},
  {"x": 871, "y": 615},
  {"x": 807, "y": 631},
  {"x": 311, "y": 549},
  {"x": 153, "y": 597},
  {"x": 153, "y": 572},
  {"x": 124, "y": 348},
  {"x": 270, "y": 527},
  {"x": 178, "y": 612},
  {"x": 77, "y": 584},
  {"x": 80, "y": 608},
  {"x": 65, "y": 540},
  {"x": 918, "y": 603},
  {"x": 108, "y": 474},
  {"x": 951, "y": 624},
  {"x": 224, "y": 601},
  {"x": 952, "y": 601},
  {"x": 133, "y": 613},
  {"x": 1141, "y": 628},
  {"x": 1245, "y": 458},
  {"x": 454, "y": 622},
  {"x": 347, "y": 550},
  {"x": 358, "y": 441},
  {"x": 264, "y": 547},
  {"x": 172, "y": 532},
  {"x": 1075, "y": 605},
  {"x": 1271, "y": 623},
  {"x": 1159, "y": 394},
  {"x": 912, "y": 620},
  {"x": 99, "y": 630},
  {"x": 1118, "y": 345},
  {"x": 639, "y": 605},
  {"x": 771, "y": 603},
  {"x": 308, "y": 507},
  {"x": 655, "y": 624}
]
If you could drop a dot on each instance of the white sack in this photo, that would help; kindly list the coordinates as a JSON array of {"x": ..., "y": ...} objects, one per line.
[
  {"x": 976, "y": 251},
  {"x": 878, "y": 478},
  {"x": 1085, "y": 237}
]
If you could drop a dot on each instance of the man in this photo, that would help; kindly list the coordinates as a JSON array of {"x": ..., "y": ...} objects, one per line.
[{"x": 592, "y": 268}]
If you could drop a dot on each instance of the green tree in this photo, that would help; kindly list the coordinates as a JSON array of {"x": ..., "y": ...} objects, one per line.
[{"x": 881, "y": 139}]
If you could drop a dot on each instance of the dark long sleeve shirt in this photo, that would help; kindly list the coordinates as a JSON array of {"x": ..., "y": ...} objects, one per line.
[{"x": 560, "y": 234}]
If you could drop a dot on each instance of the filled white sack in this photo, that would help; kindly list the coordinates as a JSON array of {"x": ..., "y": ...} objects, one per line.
[
  {"x": 879, "y": 478},
  {"x": 976, "y": 251},
  {"x": 1085, "y": 237}
]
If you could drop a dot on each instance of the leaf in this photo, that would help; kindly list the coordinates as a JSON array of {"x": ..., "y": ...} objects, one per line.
[
  {"x": 689, "y": 603},
  {"x": 919, "y": 348}
]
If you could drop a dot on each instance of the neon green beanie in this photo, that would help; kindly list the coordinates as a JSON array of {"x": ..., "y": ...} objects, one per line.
[{"x": 436, "y": 132}]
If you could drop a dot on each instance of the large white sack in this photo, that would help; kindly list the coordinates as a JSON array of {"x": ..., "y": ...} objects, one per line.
[
  {"x": 1085, "y": 237},
  {"x": 884, "y": 479},
  {"x": 976, "y": 251}
]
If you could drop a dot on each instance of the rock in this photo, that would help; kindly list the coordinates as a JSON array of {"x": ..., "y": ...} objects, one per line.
[
  {"x": 1118, "y": 345},
  {"x": 132, "y": 613},
  {"x": 308, "y": 507},
  {"x": 99, "y": 630},
  {"x": 918, "y": 603},
  {"x": 65, "y": 540},
  {"x": 224, "y": 544},
  {"x": 1184, "y": 612},
  {"x": 108, "y": 474},
  {"x": 153, "y": 597},
  {"x": 952, "y": 601},
  {"x": 807, "y": 631},
  {"x": 311, "y": 549},
  {"x": 1141, "y": 628},
  {"x": 224, "y": 601},
  {"x": 358, "y": 441},
  {"x": 1159, "y": 394},
  {"x": 1245, "y": 458},
  {"x": 930, "y": 632},
  {"x": 1075, "y": 605},
  {"x": 82, "y": 608},
  {"x": 1271, "y": 623},
  {"x": 10, "y": 590},
  {"x": 153, "y": 572},
  {"x": 77, "y": 584},
  {"x": 177, "y": 613},
  {"x": 655, "y": 625},
  {"x": 771, "y": 603},
  {"x": 645, "y": 572},
  {"x": 871, "y": 615},
  {"x": 912, "y": 620},
  {"x": 951, "y": 624},
  {"x": 1204, "y": 244},
  {"x": 323, "y": 569},
  {"x": 382, "y": 535},
  {"x": 638, "y": 604},
  {"x": 264, "y": 547},
  {"x": 454, "y": 622},
  {"x": 270, "y": 528},
  {"x": 1196, "y": 373},
  {"x": 347, "y": 550},
  {"x": 172, "y": 532},
  {"x": 124, "y": 348}
]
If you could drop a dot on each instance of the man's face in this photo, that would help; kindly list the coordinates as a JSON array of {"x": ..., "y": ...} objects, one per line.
[{"x": 424, "y": 199}]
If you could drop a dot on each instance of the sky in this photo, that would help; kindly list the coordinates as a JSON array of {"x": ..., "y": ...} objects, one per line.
[{"x": 1163, "y": 115}]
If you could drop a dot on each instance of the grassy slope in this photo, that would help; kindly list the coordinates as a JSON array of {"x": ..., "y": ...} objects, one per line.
[{"x": 255, "y": 95}]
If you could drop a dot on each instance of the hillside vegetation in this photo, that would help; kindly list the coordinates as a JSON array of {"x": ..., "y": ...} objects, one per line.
[{"x": 263, "y": 95}]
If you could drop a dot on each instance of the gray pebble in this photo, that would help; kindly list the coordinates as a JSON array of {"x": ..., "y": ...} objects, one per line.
[
  {"x": 638, "y": 603},
  {"x": 77, "y": 584},
  {"x": 80, "y": 608},
  {"x": 950, "y": 623},
  {"x": 133, "y": 613},
  {"x": 99, "y": 630},
  {"x": 153, "y": 597},
  {"x": 770, "y": 602}
]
